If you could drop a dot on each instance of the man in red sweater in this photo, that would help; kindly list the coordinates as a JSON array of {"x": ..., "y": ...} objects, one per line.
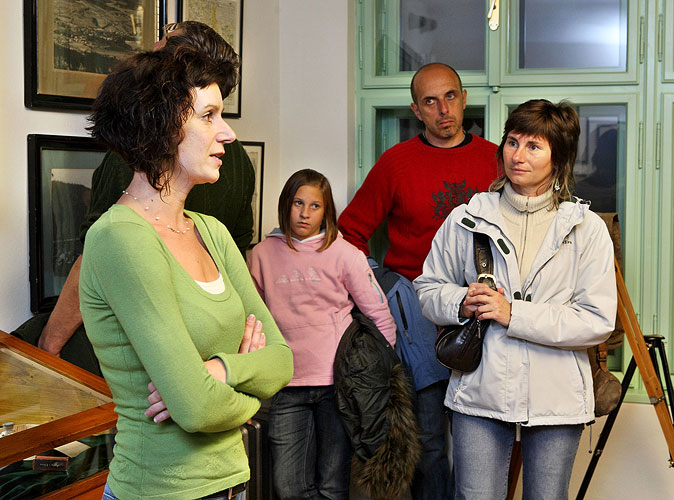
[{"x": 414, "y": 186}]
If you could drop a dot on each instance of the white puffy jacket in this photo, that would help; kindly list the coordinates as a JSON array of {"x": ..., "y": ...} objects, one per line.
[{"x": 536, "y": 371}]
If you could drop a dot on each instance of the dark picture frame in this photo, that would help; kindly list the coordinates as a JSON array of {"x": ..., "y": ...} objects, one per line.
[
  {"x": 225, "y": 17},
  {"x": 70, "y": 46},
  {"x": 255, "y": 151},
  {"x": 60, "y": 170}
]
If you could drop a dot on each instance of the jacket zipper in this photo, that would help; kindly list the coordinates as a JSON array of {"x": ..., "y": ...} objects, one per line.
[
  {"x": 458, "y": 388},
  {"x": 526, "y": 227},
  {"x": 403, "y": 318},
  {"x": 381, "y": 299}
]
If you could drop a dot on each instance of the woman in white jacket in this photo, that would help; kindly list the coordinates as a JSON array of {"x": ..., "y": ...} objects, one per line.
[{"x": 553, "y": 264}]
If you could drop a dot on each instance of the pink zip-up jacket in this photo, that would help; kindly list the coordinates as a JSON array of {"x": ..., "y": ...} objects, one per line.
[{"x": 310, "y": 295}]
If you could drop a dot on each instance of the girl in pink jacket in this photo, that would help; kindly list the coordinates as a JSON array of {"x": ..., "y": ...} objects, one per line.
[{"x": 310, "y": 278}]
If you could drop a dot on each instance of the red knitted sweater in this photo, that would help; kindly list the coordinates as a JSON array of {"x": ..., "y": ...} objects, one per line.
[{"x": 415, "y": 187}]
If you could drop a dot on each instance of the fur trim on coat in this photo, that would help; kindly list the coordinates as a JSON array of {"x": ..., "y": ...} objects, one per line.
[{"x": 375, "y": 402}]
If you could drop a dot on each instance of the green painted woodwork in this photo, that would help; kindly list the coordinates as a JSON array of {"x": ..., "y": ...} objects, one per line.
[
  {"x": 511, "y": 74},
  {"x": 665, "y": 41}
]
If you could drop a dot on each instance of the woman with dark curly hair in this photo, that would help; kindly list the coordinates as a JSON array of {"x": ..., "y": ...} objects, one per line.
[{"x": 165, "y": 295}]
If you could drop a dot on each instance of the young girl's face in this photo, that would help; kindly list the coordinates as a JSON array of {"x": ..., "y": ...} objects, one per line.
[{"x": 306, "y": 215}]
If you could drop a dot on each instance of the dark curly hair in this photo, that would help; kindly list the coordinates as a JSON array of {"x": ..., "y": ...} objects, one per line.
[
  {"x": 200, "y": 36},
  {"x": 142, "y": 106}
]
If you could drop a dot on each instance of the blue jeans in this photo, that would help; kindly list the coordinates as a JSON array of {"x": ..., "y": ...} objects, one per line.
[
  {"x": 109, "y": 495},
  {"x": 432, "y": 478},
  {"x": 482, "y": 450},
  {"x": 311, "y": 453}
]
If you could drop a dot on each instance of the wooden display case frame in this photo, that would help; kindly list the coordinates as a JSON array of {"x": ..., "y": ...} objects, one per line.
[{"x": 63, "y": 430}]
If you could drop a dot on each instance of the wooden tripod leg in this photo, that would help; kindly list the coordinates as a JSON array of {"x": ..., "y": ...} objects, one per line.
[
  {"x": 515, "y": 468},
  {"x": 644, "y": 362}
]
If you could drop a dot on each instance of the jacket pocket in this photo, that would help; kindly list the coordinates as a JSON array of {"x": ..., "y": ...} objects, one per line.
[
  {"x": 557, "y": 383},
  {"x": 582, "y": 379}
]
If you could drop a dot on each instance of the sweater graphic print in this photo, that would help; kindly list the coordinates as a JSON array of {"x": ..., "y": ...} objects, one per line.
[
  {"x": 297, "y": 275},
  {"x": 453, "y": 195}
]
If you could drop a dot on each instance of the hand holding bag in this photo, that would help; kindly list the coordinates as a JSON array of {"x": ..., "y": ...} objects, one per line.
[{"x": 460, "y": 347}]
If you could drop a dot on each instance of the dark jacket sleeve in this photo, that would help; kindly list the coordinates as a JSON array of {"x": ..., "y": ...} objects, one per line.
[
  {"x": 107, "y": 183},
  {"x": 229, "y": 199},
  {"x": 241, "y": 228}
]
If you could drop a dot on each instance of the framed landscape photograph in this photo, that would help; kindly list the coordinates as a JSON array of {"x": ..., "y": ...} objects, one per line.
[
  {"x": 225, "y": 17},
  {"x": 60, "y": 169},
  {"x": 255, "y": 151},
  {"x": 71, "y": 45}
]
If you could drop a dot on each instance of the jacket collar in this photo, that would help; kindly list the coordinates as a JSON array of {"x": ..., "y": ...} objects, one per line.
[
  {"x": 483, "y": 215},
  {"x": 486, "y": 216}
]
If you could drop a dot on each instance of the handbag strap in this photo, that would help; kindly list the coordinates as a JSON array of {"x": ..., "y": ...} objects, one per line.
[{"x": 484, "y": 263}]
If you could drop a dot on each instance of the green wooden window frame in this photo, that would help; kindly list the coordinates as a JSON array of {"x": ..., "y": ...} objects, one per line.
[
  {"x": 665, "y": 41},
  {"x": 510, "y": 74}
]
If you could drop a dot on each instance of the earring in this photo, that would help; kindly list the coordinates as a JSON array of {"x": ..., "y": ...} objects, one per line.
[{"x": 557, "y": 187}]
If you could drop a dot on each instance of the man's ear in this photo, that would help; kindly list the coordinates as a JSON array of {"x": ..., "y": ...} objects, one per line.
[{"x": 415, "y": 110}]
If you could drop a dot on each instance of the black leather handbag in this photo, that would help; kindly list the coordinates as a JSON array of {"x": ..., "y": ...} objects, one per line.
[{"x": 460, "y": 347}]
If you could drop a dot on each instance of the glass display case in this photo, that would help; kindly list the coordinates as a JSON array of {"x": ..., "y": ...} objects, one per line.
[{"x": 58, "y": 426}]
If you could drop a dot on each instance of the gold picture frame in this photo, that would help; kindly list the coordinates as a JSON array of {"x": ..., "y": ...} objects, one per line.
[
  {"x": 70, "y": 46},
  {"x": 225, "y": 17}
]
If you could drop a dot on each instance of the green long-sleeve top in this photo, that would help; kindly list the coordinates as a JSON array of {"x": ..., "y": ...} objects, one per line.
[{"x": 148, "y": 320}]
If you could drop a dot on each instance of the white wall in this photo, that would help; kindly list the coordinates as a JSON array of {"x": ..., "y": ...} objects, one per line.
[
  {"x": 16, "y": 122},
  {"x": 297, "y": 88},
  {"x": 260, "y": 94},
  {"x": 316, "y": 79}
]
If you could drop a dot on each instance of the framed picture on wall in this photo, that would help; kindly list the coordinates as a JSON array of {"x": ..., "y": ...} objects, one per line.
[
  {"x": 60, "y": 169},
  {"x": 71, "y": 45},
  {"x": 225, "y": 17},
  {"x": 255, "y": 152}
]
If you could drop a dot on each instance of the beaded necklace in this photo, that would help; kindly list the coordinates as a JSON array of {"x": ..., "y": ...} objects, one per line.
[{"x": 156, "y": 217}]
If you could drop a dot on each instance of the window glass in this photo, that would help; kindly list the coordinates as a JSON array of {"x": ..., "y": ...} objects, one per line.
[
  {"x": 599, "y": 152},
  {"x": 426, "y": 31},
  {"x": 573, "y": 34}
]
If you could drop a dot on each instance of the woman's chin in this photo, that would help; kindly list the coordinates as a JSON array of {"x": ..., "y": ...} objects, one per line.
[{"x": 210, "y": 179}]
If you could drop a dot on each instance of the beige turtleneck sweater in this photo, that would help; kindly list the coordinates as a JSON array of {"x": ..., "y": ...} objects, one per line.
[{"x": 527, "y": 221}]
